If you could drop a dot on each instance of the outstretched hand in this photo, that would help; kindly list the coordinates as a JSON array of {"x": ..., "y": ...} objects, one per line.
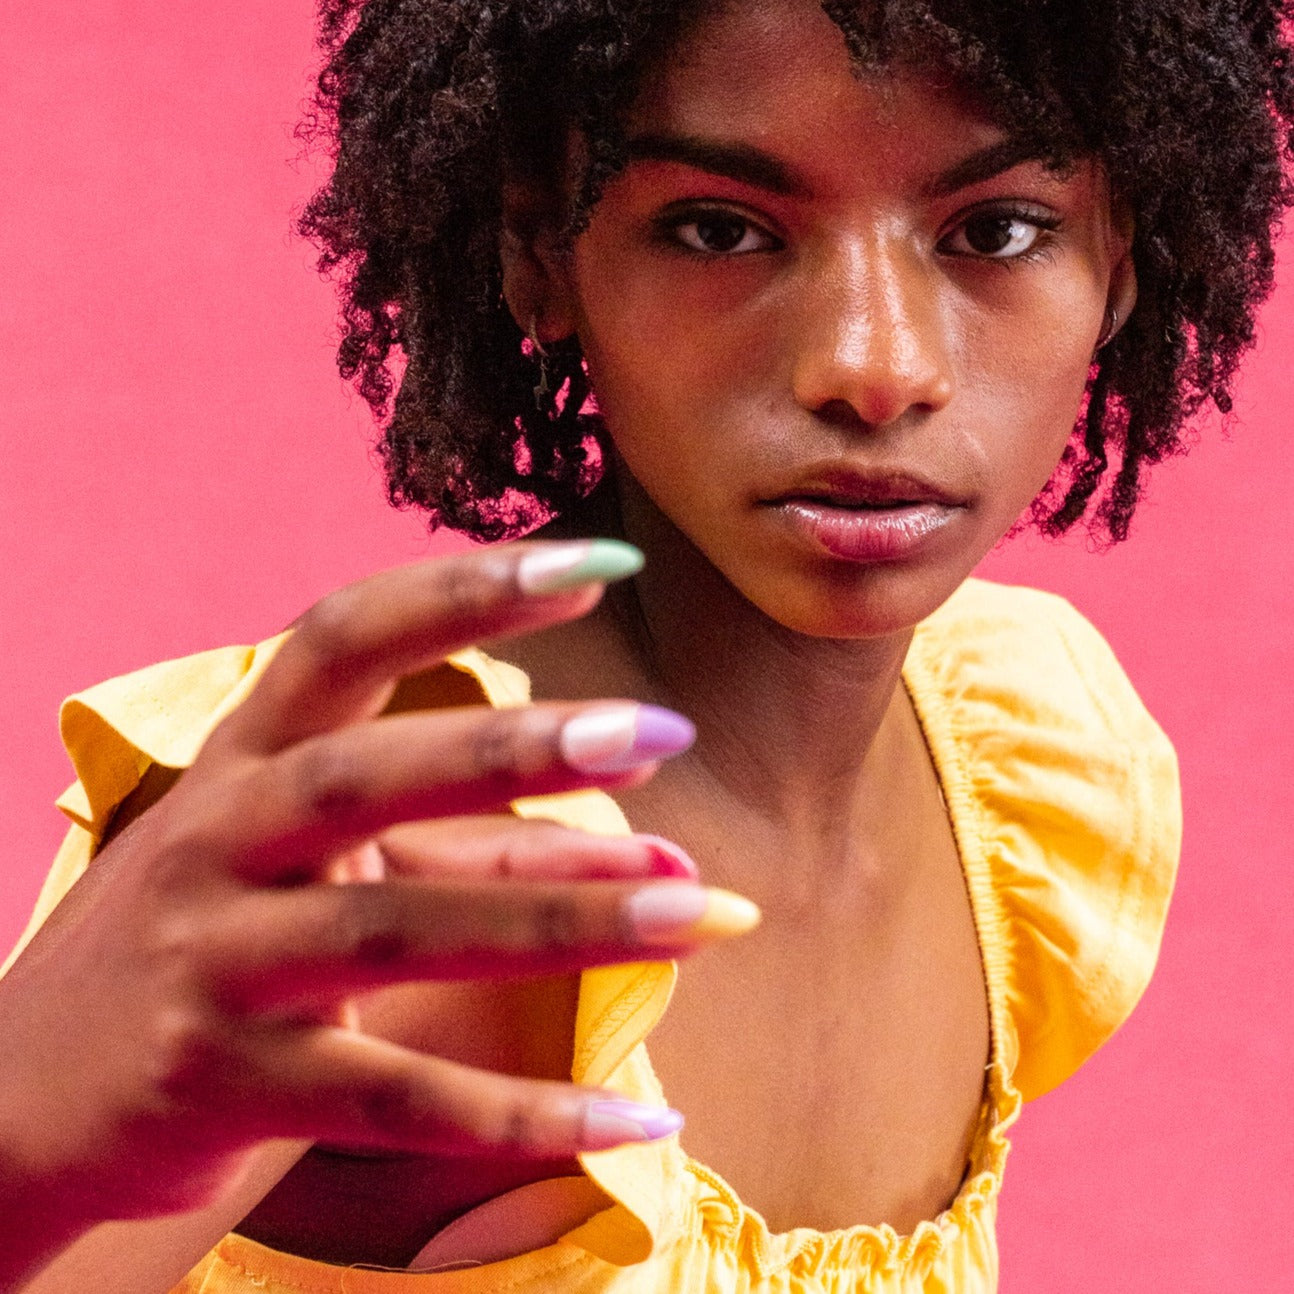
[{"x": 191, "y": 997}]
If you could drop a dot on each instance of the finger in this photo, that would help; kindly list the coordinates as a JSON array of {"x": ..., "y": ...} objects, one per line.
[
  {"x": 508, "y": 848},
  {"x": 310, "y": 947},
  {"x": 333, "y": 791},
  {"x": 338, "y": 1086},
  {"x": 348, "y": 651}
]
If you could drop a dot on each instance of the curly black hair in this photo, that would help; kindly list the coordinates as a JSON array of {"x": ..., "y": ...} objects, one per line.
[{"x": 426, "y": 104}]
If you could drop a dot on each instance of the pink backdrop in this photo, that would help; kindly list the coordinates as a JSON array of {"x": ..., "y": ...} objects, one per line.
[{"x": 181, "y": 469}]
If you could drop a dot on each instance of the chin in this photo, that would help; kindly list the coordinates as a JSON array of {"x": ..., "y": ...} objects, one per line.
[{"x": 874, "y": 602}]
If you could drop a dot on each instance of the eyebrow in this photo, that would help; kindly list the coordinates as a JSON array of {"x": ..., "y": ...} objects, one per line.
[
  {"x": 740, "y": 162},
  {"x": 984, "y": 165},
  {"x": 749, "y": 165}
]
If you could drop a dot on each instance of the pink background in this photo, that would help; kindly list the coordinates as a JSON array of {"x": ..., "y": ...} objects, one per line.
[{"x": 182, "y": 468}]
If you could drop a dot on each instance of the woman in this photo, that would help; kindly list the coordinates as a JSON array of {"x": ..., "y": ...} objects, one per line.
[{"x": 837, "y": 328}]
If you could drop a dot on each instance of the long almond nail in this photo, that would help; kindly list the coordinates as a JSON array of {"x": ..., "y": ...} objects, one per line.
[
  {"x": 613, "y": 1123},
  {"x": 677, "y": 911},
  {"x": 616, "y": 738},
  {"x": 562, "y": 567}
]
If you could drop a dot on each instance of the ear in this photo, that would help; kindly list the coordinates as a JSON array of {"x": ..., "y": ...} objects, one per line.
[
  {"x": 1121, "y": 299},
  {"x": 537, "y": 279}
]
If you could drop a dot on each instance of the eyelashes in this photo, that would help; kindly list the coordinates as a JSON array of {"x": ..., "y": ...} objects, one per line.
[
  {"x": 1003, "y": 233},
  {"x": 712, "y": 233}
]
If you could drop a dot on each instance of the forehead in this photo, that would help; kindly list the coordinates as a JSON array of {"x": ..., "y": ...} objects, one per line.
[{"x": 777, "y": 74}]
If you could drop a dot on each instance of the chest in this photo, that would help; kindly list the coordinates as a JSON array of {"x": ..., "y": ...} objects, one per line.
[{"x": 831, "y": 1065}]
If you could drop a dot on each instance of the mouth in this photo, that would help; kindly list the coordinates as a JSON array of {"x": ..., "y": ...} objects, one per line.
[
  {"x": 852, "y": 505},
  {"x": 866, "y": 517},
  {"x": 866, "y": 491}
]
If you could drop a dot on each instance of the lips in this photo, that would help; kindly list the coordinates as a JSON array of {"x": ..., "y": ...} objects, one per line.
[
  {"x": 865, "y": 516},
  {"x": 840, "y": 487}
]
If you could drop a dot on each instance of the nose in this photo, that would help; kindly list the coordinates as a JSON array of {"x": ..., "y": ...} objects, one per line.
[{"x": 871, "y": 345}]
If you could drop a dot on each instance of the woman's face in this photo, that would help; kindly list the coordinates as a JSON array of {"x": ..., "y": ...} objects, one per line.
[{"x": 838, "y": 329}]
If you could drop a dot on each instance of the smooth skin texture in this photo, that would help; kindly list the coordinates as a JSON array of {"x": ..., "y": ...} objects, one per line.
[
  {"x": 889, "y": 289},
  {"x": 792, "y": 282}
]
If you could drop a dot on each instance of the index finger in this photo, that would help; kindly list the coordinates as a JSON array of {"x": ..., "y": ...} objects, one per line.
[{"x": 347, "y": 652}]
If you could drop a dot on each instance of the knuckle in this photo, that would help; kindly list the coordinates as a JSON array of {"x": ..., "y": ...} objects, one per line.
[
  {"x": 328, "y": 628},
  {"x": 185, "y": 1058},
  {"x": 504, "y": 750},
  {"x": 186, "y": 1050},
  {"x": 176, "y": 943},
  {"x": 390, "y": 1109},
  {"x": 366, "y": 930},
  {"x": 519, "y": 1129},
  {"x": 555, "y": 923},
  {"x": 511, "y": 862},
  {"x": 466, "y": 589},
  {"x": 332, "y": 784},
  {"x": 182, "y": 848}
]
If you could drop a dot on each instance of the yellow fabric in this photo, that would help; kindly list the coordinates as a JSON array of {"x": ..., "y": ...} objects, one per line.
[{"x": 1064, "y": 800}]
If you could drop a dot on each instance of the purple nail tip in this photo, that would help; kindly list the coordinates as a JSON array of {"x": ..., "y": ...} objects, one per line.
[
  {"x": 661, "y": 732},
  {"x": 655, "y": 1121},
  {"x": 661, "y": 1123}
]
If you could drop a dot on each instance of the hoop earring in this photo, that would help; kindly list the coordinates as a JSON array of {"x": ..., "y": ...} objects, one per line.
[
  {"x": 1108, "y": 328},
  {"x": 542, "y": 388}
]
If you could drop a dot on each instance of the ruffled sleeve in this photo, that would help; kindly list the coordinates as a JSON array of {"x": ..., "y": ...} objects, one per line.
[
  {"x": 114, "y": 732},
  {"x": 1064, "y": 793}
]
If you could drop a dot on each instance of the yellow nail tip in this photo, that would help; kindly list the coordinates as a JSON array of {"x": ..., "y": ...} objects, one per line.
[
  {"x": 672, "y": 912},
  {"x": 726, "y": 914}
]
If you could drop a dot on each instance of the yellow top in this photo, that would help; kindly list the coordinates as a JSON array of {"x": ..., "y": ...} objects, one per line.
[{"x": 1064, "y": 801}]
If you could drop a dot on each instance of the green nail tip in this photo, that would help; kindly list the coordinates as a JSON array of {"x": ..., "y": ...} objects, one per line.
[
  {"x": 607, "y": 560},
  {"x": 571, "y": 566}
]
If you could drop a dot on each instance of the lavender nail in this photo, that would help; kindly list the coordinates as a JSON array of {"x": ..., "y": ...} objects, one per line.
[
  {"x": 613, "y": 1123},
  {"x": 616, "y": 738},
  {"x": 661, "y": 732}
]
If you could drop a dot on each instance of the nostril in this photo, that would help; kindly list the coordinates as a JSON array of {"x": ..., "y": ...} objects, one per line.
[{"x": 842, "y": 414}]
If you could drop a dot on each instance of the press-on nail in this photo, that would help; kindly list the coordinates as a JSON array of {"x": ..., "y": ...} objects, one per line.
[
  {"x": 616, "y": 738},
  {"x": 613, "y": 1123},
  {"x": 561, "y": 567},
  {"x": 677, "y": 911},
  {"x": 670, "y": 859}
]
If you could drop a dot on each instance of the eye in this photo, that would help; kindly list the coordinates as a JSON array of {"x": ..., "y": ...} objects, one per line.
[
  {"x": 998, "y": 235},
  {"x": 718, "y": 233}
]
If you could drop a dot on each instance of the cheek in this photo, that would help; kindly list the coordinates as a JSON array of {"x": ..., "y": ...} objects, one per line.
[
  {"x": 1022, "y": 388},
  {"x": 672, "y": 370}
]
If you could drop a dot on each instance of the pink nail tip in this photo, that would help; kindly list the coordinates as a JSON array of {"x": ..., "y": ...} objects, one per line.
[
  {"x": 661, "y": 732},
  {"x": 620, "y": 1120},
  {"x": 670, "y": 859}
]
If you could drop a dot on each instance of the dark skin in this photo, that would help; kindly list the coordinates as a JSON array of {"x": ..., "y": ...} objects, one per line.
[
  {"x": 858, "y": 328},
  {"x": 863, "y": 980},
  {"x": 853, "y": 322},
  {"x": 184, "y": 1023},
  {"x": 847, "y": 302}
]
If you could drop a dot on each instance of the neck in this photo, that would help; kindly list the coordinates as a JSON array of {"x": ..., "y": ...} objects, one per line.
[{"x": 792, "y": 728}]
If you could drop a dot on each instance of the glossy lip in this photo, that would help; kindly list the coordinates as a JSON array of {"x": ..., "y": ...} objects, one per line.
[
  {"x": 844, "y": 486},
  {"x": 860, "y": 516}
]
